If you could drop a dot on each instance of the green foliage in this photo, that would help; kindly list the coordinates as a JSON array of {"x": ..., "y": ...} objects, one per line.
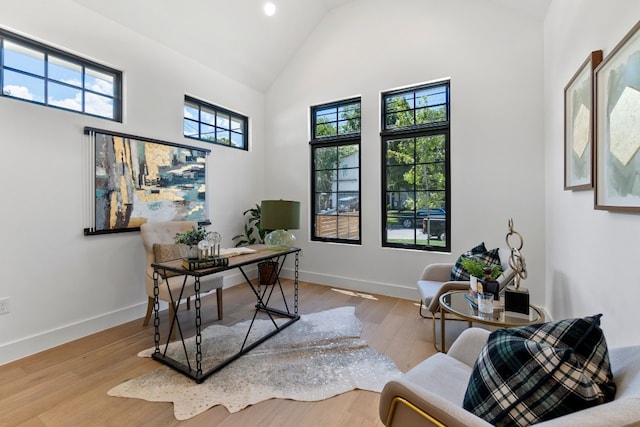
[
  {"x": 476, "y": 268},
  {"x": 253, "y": 231},
  {"x": 192, "y": 237},
  {"x": 418, "y": 162}
]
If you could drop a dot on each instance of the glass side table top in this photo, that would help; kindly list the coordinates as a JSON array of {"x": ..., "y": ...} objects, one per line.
[{"x": 457, "y": 303}]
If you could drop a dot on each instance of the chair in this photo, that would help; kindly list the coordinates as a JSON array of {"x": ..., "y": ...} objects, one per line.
[
  {"x": 431, "y": 393},
  {"x": 158, "y": 240},
  {"x": 435, "y": 281}
]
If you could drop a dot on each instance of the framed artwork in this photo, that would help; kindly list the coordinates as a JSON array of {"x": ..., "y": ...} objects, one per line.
[
  {"x": 578, "y": 126},
  {"x": 617, "y": 134},
  {"x": 138, "y": 179}
]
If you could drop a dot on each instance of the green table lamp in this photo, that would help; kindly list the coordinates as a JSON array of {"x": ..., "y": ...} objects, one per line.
[{"x": 280, "y": 216}]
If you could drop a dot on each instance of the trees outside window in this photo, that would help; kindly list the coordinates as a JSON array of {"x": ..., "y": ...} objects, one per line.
[
  {"x": 335, "y": 164},
  {"x": 415, "y": 155}
]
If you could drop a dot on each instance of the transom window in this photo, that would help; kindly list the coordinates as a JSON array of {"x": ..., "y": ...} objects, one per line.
[
  {"x": 416, "y": 178},
  {"x": 31, "y": 71},
  {"x": 335, "y": 164},
  {"x": 210, "y": 123}
]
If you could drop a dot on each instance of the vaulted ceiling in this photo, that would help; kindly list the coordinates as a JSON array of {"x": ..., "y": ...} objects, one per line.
[{"x": 235, "y": 37}]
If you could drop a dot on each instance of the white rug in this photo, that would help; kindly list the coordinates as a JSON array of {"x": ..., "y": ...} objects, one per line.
[{"x": 319, "y": 356}]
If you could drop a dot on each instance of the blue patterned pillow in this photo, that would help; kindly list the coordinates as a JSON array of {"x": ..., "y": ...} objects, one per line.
[
  {"x": 459, "y": 273},
  {"x": 535, "y": 373}
]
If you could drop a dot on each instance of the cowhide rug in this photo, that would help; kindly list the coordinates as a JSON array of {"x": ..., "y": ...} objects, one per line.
[{"x": 319, "y": 356}]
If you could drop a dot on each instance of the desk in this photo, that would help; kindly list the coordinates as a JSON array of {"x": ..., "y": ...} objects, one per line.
[
  {"x": 455, "y": 303},
  {"x": 263, "y": 296}
]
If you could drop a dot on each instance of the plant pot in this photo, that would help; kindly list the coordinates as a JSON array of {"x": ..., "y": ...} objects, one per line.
[
  {"x": 473, "y": 283},
  {"x": 267, "y": 272},
  {"x": 192, "y": 251}
]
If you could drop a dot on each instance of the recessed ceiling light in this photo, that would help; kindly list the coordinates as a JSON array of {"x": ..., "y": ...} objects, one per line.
[{"x": 269, "y": 9}]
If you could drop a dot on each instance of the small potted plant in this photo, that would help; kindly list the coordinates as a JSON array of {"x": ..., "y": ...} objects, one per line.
[
  {"x": 191, "y": 238},
  {"x": 478, "y": 269}
]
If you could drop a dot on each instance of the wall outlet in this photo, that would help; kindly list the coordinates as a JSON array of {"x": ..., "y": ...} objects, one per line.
[{"x": 4, "y": 305}]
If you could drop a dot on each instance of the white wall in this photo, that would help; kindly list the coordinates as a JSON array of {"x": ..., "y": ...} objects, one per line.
[
  {"x": 505, "y": 162},
  {"x": 493, "y": 56},
  {"x": 62, "y": 284},
  {"x": 590, "y": 255}
]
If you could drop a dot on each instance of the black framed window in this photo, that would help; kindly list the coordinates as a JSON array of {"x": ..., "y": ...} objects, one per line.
[
  {"x": 208, "y": 122},
  {"x": 34, "y": 72},
  {"x": 335, "y": 166},
  {"x": 415, "y": 167}
]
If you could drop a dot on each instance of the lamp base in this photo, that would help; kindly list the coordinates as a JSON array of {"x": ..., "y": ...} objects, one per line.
[{"x": 279, "y": 239}]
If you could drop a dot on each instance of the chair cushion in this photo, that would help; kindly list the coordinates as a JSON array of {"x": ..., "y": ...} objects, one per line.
[
  {"x": 535, "y": 373},
  {"x": 458, "y": 272}
]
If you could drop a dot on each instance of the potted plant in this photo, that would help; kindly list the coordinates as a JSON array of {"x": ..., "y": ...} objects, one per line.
[
  {"x": 191, "y": 238},
  {"x": 479, "y": 269},
  {"x": 254, "y": 234}
]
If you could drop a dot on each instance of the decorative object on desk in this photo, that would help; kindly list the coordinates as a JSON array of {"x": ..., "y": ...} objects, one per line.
[
  {"x": 202, "y": 263},
  {"x": 280, "y": 216},
  {"x": 215, "y": 239},
  {"x": 253, "y": 231},
  {"x": 319, "y": 356},
  {"x": 516, "y": 297},
  {"x": 191, "y": 238}
]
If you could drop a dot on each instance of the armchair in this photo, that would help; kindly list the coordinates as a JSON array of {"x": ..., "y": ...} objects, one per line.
[
  {"x": 158, "y": 233},
  {"x": 431, "y": 393},
  {"x": 435, "y": 281}
]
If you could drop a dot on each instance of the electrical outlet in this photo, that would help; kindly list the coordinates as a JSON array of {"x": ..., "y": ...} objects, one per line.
[{"x": 4, "y": 305}]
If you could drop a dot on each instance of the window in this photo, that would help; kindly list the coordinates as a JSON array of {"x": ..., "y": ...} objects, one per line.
[
  {"x": 207, "y": 122},
  {"x": 335, "y": 166},
  {"x": 415, "y": 168},
  {"x": 34, "y": 72}
]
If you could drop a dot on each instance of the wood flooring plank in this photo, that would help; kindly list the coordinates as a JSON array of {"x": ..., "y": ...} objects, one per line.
[{"x": 67, "y": 385}]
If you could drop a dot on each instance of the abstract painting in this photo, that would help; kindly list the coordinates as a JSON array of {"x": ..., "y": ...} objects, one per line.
[{"x": 140, "y": 179}]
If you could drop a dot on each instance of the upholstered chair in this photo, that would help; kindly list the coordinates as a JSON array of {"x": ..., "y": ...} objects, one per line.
[
  {"x": 158, "y": 239},
  {"x": 435, "y": 281}
]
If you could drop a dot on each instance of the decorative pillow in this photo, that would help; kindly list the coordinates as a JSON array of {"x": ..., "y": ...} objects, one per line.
[
  {"x": 535, "y": 373},
  {"x": 168, "y": 252},
  {"x": 459, "y": 273}
]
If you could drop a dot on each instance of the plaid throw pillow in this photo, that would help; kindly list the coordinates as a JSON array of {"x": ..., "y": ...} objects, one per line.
[
  {"x": 459, "y": 273},
  {"x": 535, "y": 373}
]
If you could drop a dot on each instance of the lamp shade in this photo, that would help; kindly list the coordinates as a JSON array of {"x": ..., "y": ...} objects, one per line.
[{"x": 280, "y": 215}]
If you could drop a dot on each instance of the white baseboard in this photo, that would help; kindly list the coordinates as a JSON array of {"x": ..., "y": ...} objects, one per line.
[{"x": 43, "y": 341}]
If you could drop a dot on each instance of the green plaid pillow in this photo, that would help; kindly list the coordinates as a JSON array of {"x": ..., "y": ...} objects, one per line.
[
  {"x": 535, "y": 373},
  {"x": 459, "y": 273}
]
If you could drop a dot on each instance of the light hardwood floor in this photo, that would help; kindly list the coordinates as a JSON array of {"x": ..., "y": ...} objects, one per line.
[{"x": 67, "y": 385}]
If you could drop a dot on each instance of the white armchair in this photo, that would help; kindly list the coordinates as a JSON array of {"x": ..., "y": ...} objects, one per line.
[
  {"x": 431, "y": 393},
  {"x": 435, "y": 280},
  {"x": 154, "y": 236}
]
